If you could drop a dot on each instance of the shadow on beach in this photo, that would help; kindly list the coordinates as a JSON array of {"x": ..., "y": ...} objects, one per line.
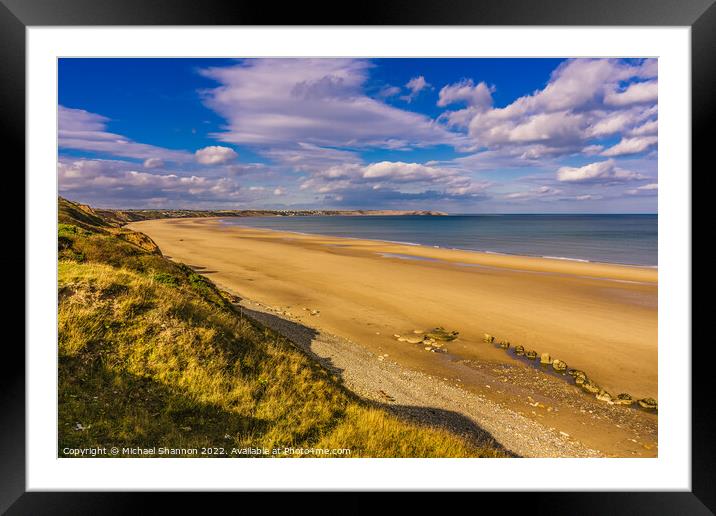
[{"x": 302, "y": 337}]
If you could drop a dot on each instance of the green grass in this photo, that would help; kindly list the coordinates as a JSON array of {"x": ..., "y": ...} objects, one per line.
[
  {"x": 153, "y": 354},
  {"x": 70, "y": 213}
]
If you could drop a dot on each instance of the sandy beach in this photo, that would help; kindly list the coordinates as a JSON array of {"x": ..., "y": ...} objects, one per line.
[{"x": 598, "y": 318}]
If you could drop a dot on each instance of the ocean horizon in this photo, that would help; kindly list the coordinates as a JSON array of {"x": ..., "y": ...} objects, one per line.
[{"x": 628, "y": 239}]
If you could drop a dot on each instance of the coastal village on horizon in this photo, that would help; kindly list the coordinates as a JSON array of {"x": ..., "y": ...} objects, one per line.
[{"x": 451, "y": 258}]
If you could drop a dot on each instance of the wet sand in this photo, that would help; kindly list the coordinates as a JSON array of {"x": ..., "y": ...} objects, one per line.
[{"x": 596, "y": 317}]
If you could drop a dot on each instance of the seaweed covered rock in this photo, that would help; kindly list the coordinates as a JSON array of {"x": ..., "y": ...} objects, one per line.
[
  {"x": 579, "y": 376},
  {"x": 488, "y": 338},
  {"x": 545, "y": 359},
  {"x": 431, "y": 341},
  {"x": 559, "y": 365},
  {"x": 648, "y": 403},
  {"x": 623, "y": 399},
  {"x": 591, "y": 387},
  {"x": 413, "y": 339},
  {"x": 603, "y": 395},
  {"x": 532, "y": 355},
  {"x": 504, "y": 344},
  {"x": 441, "y": 333},
  {"x": 519, "y": 350}
]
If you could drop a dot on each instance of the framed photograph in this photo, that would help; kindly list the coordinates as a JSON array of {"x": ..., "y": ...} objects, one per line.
[{"x": 441, "y": 248}]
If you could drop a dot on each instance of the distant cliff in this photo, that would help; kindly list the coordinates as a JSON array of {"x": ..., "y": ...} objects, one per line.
[{"x": 121, "y": 217}]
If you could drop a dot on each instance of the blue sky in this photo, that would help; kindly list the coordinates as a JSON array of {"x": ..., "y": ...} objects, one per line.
[{"x": 460, "y": 135}]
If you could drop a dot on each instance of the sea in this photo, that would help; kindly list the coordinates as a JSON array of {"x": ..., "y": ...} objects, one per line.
[{"x": 621, "y": 239}]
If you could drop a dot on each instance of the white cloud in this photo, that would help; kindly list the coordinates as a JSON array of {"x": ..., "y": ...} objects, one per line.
[
  {"x": 591, "y": 150},
  {"x": 578, "y": 82},
  {"x": 599, "y": 172},
  {"x": 648, "y": 128},
  {"x": 607, "y": 123},
  {"x": 637, "y": 93},
  {"x": 536, "y": 193},
  {"x": 114, "y": 182},
  {"x": 631, "y": 146},
  {"x": 388, "y": 91},
  {"x": 476, "y": 95},
  {"x": 277, "y": 102},
  {"x": 567, "y": 114},
  {"x": 477, "y": 98},
  {"x": 306, "y": 157},
  {"x": 404, "y": 172},
  {"x": 153, "y": 163},
  {"x": 238, "y": 169},
  {"x": 645, "y": 190},
  {"x": 79, "y": 120},
  {"x": 415, "y": 85},
  {"x": 279, "y": 191},
  {"x": 81, "y": 130},
  {"x": 400, "y": 178},
  {"x": 509, "y": 157},
  {"x": 650, "y": 189},
  {"x": 86, "y": 174},
  {"x": 215, "y": 155}
]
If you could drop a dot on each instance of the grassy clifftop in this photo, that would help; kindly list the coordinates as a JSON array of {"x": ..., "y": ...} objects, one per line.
[{"x": 152, "y": 354}]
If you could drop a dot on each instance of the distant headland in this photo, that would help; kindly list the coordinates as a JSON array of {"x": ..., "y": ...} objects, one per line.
[{"x": 127, "y": 215}]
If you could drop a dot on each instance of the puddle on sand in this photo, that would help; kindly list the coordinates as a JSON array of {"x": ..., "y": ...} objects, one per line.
[{"x": 408, "y": 257}]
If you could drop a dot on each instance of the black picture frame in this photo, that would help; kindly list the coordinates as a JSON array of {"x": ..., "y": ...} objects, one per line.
[{"x": 17, "y": 15}]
